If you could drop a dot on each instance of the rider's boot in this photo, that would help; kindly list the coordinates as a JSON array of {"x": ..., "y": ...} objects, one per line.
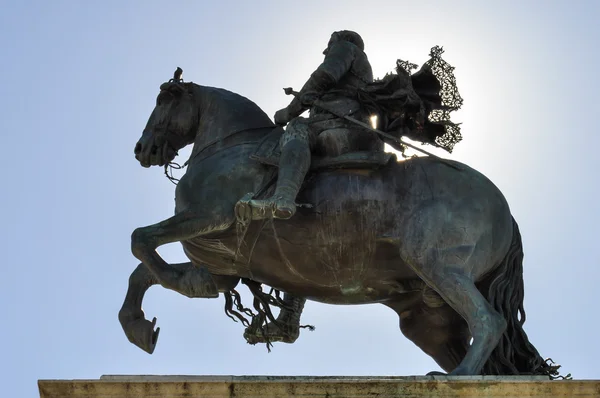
[{"x": 293, "y": 166}]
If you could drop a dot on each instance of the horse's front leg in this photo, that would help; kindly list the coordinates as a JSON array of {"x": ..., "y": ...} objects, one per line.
[
  {"x": 182, "y": 226},
  {"x": 139, "y": 330}
]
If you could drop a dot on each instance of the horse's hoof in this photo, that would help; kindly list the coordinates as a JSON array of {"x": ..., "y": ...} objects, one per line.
[
  {"x": 461, "y": 371},
  {"x": 436, "y": 373},
  {"x": 141, "y": 332}
]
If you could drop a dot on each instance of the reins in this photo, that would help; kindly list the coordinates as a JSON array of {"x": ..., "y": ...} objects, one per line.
[{"x": 169, "y": 167}]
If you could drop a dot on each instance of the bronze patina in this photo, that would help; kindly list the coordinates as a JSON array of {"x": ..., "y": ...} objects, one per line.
[{"x": 432, "y": 239}]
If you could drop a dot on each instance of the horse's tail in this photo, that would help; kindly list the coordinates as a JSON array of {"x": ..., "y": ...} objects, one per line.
[{"x": 503, "y": 288}]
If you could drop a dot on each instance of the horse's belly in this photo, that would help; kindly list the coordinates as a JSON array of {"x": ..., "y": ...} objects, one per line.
[
  {"x": 211, "y": 253},
  {"x": 331, "y": 266},
  {"x": 341, "y": 250}
]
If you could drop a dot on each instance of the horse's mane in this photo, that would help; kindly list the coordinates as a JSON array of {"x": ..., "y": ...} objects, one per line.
[{"x": 230, "y": 110}]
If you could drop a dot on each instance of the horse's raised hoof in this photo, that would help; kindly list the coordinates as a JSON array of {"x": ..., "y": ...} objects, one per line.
[
  {"x": 461, "y": 371},
  {"x": 254, "y": 335},
  {"x": 140, "y": 332}
]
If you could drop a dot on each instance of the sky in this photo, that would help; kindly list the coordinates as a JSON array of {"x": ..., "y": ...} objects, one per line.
[{"x": 79, "y": 80}]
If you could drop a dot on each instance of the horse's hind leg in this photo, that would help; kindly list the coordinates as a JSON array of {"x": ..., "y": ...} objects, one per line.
[
  {"x": 140, "y": 331},
  {"x": 440, "y": 248},
  {"x": 485, "y": 324},
  {"x": 439, "y": 331}
]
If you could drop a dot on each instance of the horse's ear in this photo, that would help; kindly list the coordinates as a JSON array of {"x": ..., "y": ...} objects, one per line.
[
  {"x": 176, "y": 84},
  {"x": 177, "y": 76}
]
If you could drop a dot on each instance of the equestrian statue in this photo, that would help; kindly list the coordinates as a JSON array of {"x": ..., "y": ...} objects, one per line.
[{"x": 313, "y": 208}]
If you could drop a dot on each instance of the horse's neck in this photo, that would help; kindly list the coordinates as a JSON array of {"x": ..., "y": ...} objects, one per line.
[{"x": 223, "y": 113}]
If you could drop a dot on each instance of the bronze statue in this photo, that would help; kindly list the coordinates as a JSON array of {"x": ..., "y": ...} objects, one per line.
[
  {"x": 432, "y": 239},
  {"x": 344, "y": 70}
]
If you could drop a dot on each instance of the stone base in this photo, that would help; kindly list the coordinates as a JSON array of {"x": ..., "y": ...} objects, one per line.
[{"x": 309, "y": 386}]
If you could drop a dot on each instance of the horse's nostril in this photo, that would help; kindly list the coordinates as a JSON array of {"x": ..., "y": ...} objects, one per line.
[{"x": 138, "y": 148}]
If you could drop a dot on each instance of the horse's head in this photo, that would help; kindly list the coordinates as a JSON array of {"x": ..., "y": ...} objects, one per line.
[{"x": 171, "y": 126}]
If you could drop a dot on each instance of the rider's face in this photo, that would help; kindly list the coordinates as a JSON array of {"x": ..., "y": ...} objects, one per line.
[{"x": 331, "y": 41}]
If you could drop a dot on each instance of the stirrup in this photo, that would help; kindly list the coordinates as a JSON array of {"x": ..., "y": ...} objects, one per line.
[
  {"x": 246, "y": 211},
  {"x": 243, "y": 209}
]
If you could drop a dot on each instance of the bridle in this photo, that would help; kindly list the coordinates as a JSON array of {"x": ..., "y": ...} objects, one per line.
[
  {"x": 175, "y": 84},
  {"x": 208, "y": 149}
]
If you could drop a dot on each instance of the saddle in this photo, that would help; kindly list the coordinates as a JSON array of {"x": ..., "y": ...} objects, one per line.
[{"x": 268, "y": 153}]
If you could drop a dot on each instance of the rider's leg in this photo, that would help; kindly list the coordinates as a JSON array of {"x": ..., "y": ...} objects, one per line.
[{"x": 293, "y": 166}]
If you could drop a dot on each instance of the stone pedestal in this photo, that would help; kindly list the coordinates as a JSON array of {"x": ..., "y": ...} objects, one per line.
[{"x": 309, "y": 386}]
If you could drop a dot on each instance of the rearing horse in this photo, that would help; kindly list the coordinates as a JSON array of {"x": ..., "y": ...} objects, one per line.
[{"x": 435, "y": 243}]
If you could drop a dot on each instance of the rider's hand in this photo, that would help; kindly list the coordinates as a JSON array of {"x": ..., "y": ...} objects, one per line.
[{"x": 282, "y": 117}]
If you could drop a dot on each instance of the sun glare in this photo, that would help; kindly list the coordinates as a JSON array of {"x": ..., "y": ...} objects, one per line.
[{"x": 374, "y": 121}]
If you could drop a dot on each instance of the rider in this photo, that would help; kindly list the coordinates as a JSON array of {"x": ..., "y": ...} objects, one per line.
[{"x": 344, "y": 70}]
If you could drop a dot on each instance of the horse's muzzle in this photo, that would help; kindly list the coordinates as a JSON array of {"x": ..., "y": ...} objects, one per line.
[
  {"x": 147, "y": 152},
  {"x": 151, "y": 150}
]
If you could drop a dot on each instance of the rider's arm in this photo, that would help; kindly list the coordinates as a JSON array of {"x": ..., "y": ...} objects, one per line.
[{"x": 337, "y": 63}]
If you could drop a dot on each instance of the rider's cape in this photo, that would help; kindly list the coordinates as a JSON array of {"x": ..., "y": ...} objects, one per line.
[{"x": 417, "y": 105}]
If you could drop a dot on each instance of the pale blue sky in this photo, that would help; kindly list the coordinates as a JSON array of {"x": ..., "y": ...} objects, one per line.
[{"x": 79, "y": 80}]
